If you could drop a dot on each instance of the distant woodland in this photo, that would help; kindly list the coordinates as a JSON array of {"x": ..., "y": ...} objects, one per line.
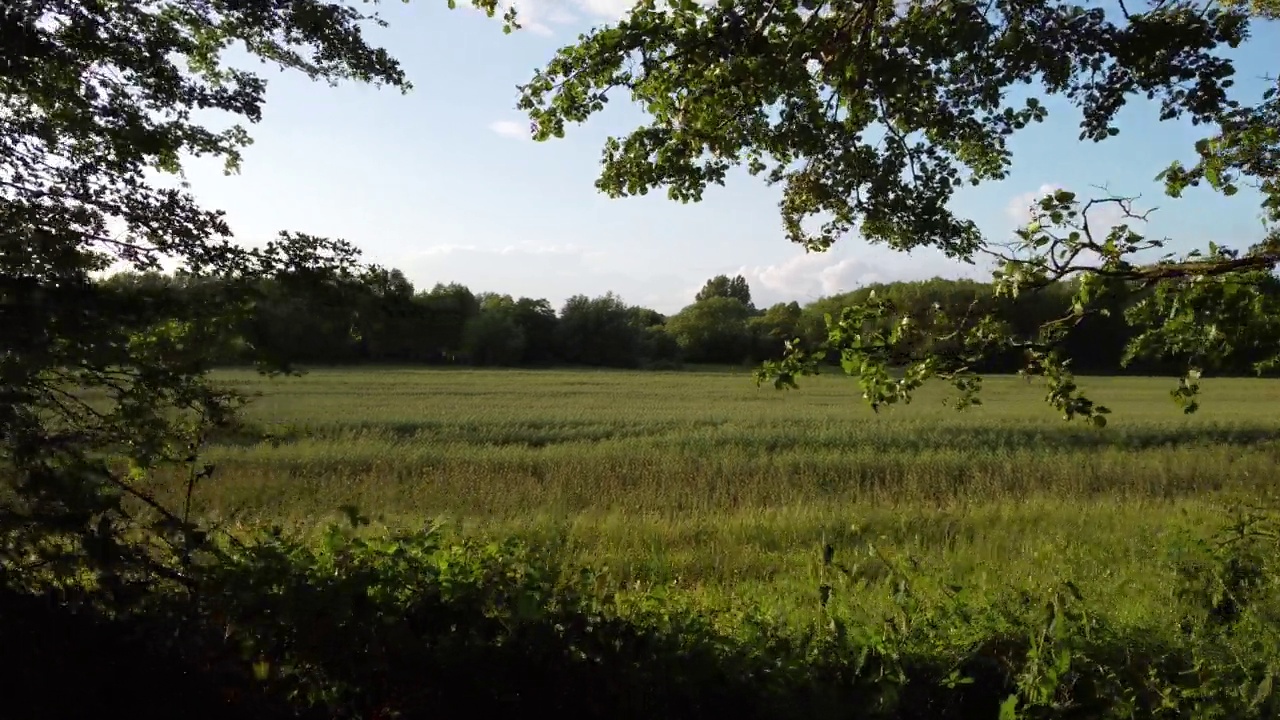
[{"x": 380, "y": 317}]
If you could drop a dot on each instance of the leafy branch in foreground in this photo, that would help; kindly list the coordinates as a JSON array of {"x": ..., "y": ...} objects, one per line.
[
  {"x": 1203, "y": 310},
  {"x": 871, "y": 115},
  {"x": 103, "y": 386}
]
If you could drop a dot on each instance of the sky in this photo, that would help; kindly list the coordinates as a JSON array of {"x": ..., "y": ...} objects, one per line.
[{"x": 445, "y": 184}]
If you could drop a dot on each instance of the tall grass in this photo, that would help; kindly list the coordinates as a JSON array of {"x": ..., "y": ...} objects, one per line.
[{"x": 703, "y": 481}]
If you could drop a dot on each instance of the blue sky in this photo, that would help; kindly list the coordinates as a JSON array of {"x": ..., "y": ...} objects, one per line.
[{"x": 444, "y": 184}]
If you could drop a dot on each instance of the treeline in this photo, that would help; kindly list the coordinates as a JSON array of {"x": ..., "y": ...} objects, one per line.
[{"x": 380, "y": 317}]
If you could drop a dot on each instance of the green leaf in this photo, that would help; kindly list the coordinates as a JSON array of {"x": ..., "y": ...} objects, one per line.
[
  {"x": 1009, "y": 708},
  {"x": 1263, "y": 692}
]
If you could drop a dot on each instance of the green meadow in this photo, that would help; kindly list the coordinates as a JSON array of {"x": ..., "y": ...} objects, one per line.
[{"x": 702, "y": 482}]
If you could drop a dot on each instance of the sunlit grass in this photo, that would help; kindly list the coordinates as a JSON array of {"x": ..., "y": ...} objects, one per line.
[{"x": 704, "y": 481}]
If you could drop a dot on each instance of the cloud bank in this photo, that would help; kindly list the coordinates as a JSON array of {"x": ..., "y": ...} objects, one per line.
[{"x": 805, "y": 277}]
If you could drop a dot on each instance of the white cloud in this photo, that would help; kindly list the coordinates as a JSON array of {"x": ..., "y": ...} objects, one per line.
[
  {"x": 1020, "y": 207},
  {"x": 511, "y": 129},
  {"x": 805, "y": 277}
]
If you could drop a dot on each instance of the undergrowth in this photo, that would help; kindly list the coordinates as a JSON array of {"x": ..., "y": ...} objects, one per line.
[{"x": 361, "y": 624}]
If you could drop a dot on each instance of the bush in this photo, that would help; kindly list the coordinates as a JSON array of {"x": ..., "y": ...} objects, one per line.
[{"x": 412, "y": 625}]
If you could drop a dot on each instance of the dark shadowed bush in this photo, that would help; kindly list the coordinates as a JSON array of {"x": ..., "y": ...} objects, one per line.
[{"x": 415, "y": 625}]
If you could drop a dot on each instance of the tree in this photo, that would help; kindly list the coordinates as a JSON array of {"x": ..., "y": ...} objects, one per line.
[
  {"x": 448, "y": 308},
  {"x": 871, "y": 115},
  {"x": 777, "y": 325},
  {"x": 96, "y": 97},
  {"x": 646, "y": 317},
  {"x": 538, "y": 322},
  {"x": 294, "y": 322},
  {"x": 598, "y": 331},
  {"x": 494, "y": 336},
  {"x": 713, "y": 330},
  {"x": 725, "y": 287},
  {"x": 384, "y": 314}
]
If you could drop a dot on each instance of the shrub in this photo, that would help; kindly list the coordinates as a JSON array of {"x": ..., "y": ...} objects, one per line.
[{"x": 357, "y": 624}]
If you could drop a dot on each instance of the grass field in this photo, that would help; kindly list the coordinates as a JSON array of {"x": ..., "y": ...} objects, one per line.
[{"x": 703, "y": 481}]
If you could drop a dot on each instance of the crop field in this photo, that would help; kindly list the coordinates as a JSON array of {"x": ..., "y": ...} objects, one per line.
[{"x": 701, "y": 481}]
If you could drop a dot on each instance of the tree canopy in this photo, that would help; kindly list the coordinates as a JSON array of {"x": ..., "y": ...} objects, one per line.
[
  {"x": 723, "y": 286},
  {"x": 383, "y": 319},
  {"x": 870, "y": 115},
  {"x": 101, "y": 102}
]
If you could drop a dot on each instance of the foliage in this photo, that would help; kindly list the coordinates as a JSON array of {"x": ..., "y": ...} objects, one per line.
[
  {"x": 673, "y": 482},
  {"x": 426, "y": 614},
  {"x": 872, "y": 115},
  {"x": 104, "y": 386},
  {"x": 723, "y": 286},
  {"x": 599, "y": 331},
  {"x": 364, "y": 322},
  {"x": 100, "y": 98},
  {"x": 407, "y": 625},
  {"x": 713, "y": 330}
]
